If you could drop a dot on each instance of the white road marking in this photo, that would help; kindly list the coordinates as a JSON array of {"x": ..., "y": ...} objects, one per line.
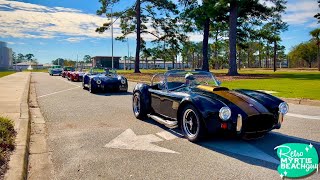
[
  {"x": 57, "y": 92},
  {"x": 269, "y": 92},
  {"x": 303, "y": 116},
  {"x": 68, "y": 82},
  {"x": 168, "y": 135},
  {"x": 129, "y": 140}
]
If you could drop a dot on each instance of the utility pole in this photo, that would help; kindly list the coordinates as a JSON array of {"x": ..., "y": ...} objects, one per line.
[
  {"x": 77, "y": 61},
  {"x": 112, "y": 38}
]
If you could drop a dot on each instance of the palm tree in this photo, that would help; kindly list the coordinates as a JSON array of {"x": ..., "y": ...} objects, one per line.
[{"x": 316, "y": 34}]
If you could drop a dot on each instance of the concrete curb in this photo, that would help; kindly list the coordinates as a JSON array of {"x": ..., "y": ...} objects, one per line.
[
  {"x": 18, "y": 163},
  {"x": 308, "y": 102}
]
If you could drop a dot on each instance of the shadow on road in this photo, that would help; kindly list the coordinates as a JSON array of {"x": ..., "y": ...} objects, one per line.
[
  {"x": 114, "y": 93},
  {"x": 259, "y": 152}
]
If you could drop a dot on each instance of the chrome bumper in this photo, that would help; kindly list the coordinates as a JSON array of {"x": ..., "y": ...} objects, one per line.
[{"x": 280, "y": 121}]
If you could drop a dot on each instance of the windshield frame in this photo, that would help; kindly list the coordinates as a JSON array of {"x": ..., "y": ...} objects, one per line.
[
  {"x": 183, "y": 73},
  {"x": 95, "y": 71}
]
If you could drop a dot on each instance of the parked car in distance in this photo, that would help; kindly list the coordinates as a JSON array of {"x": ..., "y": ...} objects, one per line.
[
  {"x": 66, "y": 70},
  {"x": 104, "y": 80},
  {"x": 55, "y": 70},
  {"x": 195, "y": 102},
  {"x": 76, "y": 76}
]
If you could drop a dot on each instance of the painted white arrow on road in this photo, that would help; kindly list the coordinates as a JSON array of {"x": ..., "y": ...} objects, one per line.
[{"x": 129, "y": 140}]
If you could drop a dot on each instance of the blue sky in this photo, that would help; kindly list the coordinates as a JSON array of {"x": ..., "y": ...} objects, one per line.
[{"x": 52, "y": 29}]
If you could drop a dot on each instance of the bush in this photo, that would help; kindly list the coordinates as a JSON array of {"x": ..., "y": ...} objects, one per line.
[{"x": 7, "y": 136}]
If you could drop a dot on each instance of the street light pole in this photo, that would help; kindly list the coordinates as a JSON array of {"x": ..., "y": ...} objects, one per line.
[{"x": 112, "y": 38}]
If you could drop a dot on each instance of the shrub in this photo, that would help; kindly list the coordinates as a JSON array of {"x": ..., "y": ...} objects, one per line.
[{"x": 7, "y": 136}]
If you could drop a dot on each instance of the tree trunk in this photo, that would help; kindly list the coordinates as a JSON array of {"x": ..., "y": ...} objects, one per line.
[
  {"x": 147, "y": 63},
  {"x": 318, "y": 54},
  {"x": 267, "y": 56},
  {"x": 275, "y": 56},
  {"x": 248, "y": 58},
  {"x": 205, "y": 65},
  {"x": 239, "y": 61},
  {"x": 259, "y": 57},
  {"x": 173, "y": 59},
  {"x": 137, "y": 61},
  {"x": 233, "y": 38},
  {"x": 216, "y": 65},
  {"x": 193, "y": 60}
]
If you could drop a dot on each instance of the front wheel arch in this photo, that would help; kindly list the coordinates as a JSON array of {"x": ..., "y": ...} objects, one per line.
[
  {"x": 181, "y": 108},
  {"x": 202, "y": 131}
]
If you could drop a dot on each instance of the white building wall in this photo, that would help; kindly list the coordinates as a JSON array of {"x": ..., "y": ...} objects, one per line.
[
  {"x": 5, "y": 56},
  {"x": 151, "y": 65}
]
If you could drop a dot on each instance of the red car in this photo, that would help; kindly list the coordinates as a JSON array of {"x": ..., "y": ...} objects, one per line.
[
  {"x": 66, "y": 70},
  {"x": 76, "y": 76}
]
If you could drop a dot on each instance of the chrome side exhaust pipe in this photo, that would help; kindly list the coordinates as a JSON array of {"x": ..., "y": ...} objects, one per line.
[{"x": 239, "y": 124}]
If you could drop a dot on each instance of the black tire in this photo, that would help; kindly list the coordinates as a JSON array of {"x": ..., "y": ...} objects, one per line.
[
  {"x": 83, "y": 87},
  {"x": 193, "y": 129},
  {"x": 91, "y": 89},
  {"x": 138, "y": 107}
]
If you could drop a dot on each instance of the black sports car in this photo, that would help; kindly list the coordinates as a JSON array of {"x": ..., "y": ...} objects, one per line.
[
  {"x": 104, "y": 80},
  {"x": 197, "y": 103}
]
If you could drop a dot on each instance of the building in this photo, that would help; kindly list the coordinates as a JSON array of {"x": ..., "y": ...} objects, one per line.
[
  {"x": 151, "y": 64},
  {"x": 5, "y": 56},
  {"x": 105, "y": 61},
  {"x": 25, "y": 65}
]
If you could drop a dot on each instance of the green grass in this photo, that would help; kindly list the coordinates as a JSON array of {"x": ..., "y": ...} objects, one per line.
[
  {"x": 7, "y": 135},
  {"x": 289, "y": 83},
  {"x": 5, "y": 73}
]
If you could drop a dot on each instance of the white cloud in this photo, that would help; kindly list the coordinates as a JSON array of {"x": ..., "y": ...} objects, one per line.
[
  {"x": 314, "y": 25},
  {"x": 301, "y": 12},
  {"x": 24, "y": 20},
  {"x": 75, "y": 39}
]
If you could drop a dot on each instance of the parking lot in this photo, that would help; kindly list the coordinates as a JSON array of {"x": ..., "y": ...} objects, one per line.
[{"x": 96, "y": 136}]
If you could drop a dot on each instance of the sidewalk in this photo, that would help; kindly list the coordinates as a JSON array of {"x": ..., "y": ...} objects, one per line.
[
  {"x": 12, "y": 88},
  {"x": 14, "y": 91}
]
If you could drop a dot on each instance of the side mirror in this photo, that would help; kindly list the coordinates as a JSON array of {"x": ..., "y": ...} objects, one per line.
[{"x": 219, "y": 82}]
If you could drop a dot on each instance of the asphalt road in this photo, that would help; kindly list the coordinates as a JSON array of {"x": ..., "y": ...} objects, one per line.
[{"x": 97, "y": 137}]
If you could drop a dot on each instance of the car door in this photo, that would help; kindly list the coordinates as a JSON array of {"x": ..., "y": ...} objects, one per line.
[
  {"x": 155, "y": 100},
  {"x": 169, "y": 103}
]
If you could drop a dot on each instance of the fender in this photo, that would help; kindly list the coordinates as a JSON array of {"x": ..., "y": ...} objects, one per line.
[
  {"x": 208, "y": 108},
  {"x": 145, "y": 94}
]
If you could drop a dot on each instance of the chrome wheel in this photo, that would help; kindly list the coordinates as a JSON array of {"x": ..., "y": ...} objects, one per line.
[
  {"x": 190, "y": 123},
  {"x": 136, "y": 104}
]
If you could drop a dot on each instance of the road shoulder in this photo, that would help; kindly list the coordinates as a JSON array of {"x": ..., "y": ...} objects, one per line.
[
  {"x": 40, "y": 164},
  {"x": 19, "y": 158}
]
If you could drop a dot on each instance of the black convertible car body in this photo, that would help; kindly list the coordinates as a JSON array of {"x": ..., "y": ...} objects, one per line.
[
  {"x": 104, "y": 80},
  {"x": 195, "y": 102}
]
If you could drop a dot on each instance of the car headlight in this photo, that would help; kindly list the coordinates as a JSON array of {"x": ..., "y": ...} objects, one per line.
[
  {"x": 283, "y": 108},
  {"x": 123, "y": 81},
  {"x": 225, "y": 113},
  {"x": 98, "y": 81}
]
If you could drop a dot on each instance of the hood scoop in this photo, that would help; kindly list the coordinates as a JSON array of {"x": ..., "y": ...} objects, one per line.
[{"x": 212, "y": 88}]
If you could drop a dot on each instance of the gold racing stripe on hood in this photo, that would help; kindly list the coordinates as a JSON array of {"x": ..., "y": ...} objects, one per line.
[{"x": 242, "y": 104}]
